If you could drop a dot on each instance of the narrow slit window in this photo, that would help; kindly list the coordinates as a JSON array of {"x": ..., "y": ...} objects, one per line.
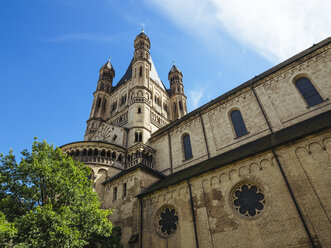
[
  {"x": 124, "y": 190},
  {"x": 308, "y": 91},
  {"x": 140, "y": 71},
  {"x": 187, "y": 147},
  {"x": 180, "y": 105},
  {"x": 115, "y": 194},
  {"x": 98, "y": 102},
  {"x": 104, "y": 105},
  {"x": 238, "y": 123}
]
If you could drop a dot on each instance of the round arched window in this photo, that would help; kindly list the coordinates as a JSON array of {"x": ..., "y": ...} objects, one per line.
[
  {"x": 248, "y": 199},
  {"x": 167, "y": 221}
]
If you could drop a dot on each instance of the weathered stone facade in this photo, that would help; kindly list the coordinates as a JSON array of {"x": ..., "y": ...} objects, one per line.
[{"x": 249, "y": 169}]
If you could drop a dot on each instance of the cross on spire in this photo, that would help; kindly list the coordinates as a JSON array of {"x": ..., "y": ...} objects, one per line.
[{"x": 142, "y": 25}]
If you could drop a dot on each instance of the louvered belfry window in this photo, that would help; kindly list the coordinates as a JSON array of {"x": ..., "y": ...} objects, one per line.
[
  {"x": 238, "y": 123},
  {"x": 308, "y": 91},
  {"x": 187, "y": 147}
]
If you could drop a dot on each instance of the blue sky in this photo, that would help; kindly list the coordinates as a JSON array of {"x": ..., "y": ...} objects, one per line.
[{"x": 52, "y": 50}]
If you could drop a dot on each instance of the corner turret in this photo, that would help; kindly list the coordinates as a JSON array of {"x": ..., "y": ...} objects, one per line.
[
  {"x": 177, "y": 96},
  {"x": 101, "y": 102}
]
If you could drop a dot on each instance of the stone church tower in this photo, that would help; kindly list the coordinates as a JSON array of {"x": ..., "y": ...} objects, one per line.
[
  {"x": 178, "y": 98},
  {"x": 101, "y": 98},
  {"x": 250, "y": 168}
]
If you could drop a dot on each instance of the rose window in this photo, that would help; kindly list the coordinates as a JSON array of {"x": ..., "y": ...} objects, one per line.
[
  {"x": 167, "y": 221},
  {"x": 248, "y": 200}
]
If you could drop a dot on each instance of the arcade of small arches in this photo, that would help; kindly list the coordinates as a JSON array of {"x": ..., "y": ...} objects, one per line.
[
  {"x": 107, "y": 155},
  {"x": 97, "y": 152},
  {"x": 142, "y": 157}
]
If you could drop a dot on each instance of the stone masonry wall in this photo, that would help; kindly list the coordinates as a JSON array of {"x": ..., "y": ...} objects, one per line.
[
  {"x": 280, "y": 99},
  {"x": 219, "y": 224}
]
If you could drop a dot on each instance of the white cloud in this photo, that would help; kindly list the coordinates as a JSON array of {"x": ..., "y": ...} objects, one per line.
[
  {"x": 275, "y": 29},
  {"x": 195, "y": 96}
]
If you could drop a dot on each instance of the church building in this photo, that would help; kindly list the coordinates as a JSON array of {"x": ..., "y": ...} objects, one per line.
[{"x": 251, "y": 168}]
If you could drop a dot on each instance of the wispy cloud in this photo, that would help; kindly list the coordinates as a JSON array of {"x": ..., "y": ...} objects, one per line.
[
  {"x": 274, "y": 29},
  {"x": 80, "y": 37},
  {"x": 195, "y": 96}
]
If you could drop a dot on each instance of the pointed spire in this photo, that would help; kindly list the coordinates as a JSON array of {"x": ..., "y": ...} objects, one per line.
[
  {"x": 174, "y": 68},
  {"x": 175, "y": 74},
  {"x": 143, "y": 34},
  {"x": 108, "y": 65}
]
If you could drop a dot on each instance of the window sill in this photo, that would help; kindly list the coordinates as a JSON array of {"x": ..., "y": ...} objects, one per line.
[
  {"x": 185, "y": 160},
  {"x": 327, "y": 99},
  {"x": 235, "y": 138}
]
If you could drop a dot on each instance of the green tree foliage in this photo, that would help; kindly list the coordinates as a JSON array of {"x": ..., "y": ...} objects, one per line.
[
  {"x": 47, "y": 201},
  {"x": 7, "y": 231}
]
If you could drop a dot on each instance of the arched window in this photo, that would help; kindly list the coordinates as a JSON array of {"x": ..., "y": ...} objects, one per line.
[
  {"x": 238, "y": 123},
  {"x": 84, "y": 153},
  {"x": 165, "y": 107},
  {"x": 103, "y": 153},
  {"x": 187, "y": 147},
  {"x": 114, "y": 106},
  {"x": 98, "y": 102},
  {"x": 136, "y": 137},
  {"x": 124, "y": 190},
  {"x": 115, "y": 194},
  {"x": 90, "y": 152},
  {"x": 113, "y": 155},
  {"x": 119, "y": 158},
  {"x": 139, "y": 110},
  {"x": 140, "y": 137},
  {"x": 104, "y": 105},
  {"x": 180, "y": 105},
  {"x": 140, "y": 71},
  {"x": 95, "y": 152},
  {"x": 308, "y": 91}
]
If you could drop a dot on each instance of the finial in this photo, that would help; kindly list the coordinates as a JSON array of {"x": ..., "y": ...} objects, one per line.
[
  {"x": 142, "y": 25},
  {"x": 108, "y": 59},
  {"x": 173, "y": 62}
]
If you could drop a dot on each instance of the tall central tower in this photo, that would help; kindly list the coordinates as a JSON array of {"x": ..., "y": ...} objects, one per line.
[
  {"x": 139, "y": 104},
  {"x": 140, "y": 95}
]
